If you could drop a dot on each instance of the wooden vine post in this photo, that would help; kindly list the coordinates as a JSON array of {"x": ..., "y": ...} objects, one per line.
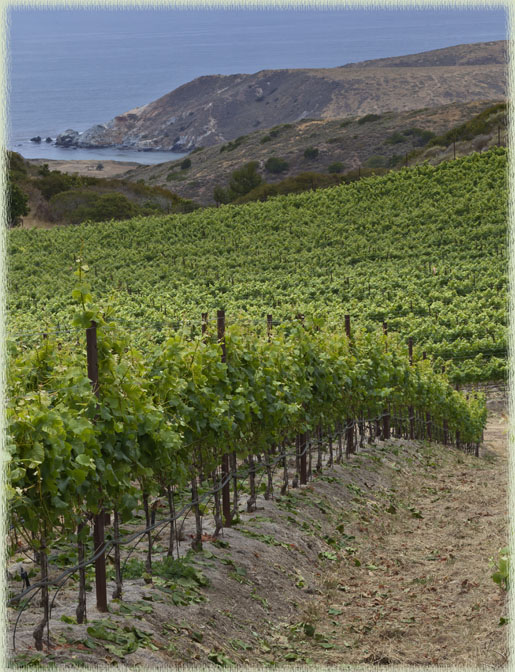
[
  {"x": 410, "y": 408},
  {"x": 226, "y": 491},
  {"x": 196, "y": 544},
  {"x": 445, "y": 424},
  {"x": 428, "y": 415},
  {"x": 349, "y": 425},
  {"x": 445, "y": 432},
  {"x": 386, "y": 411},
  {"x": 98, "y": 522},
  {"x": 303, "y": 447}
]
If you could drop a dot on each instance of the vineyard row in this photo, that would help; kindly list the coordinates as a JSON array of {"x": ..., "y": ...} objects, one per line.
[
  {"x": 141, "y": 424},
  {"x": 330, "y": 447}
]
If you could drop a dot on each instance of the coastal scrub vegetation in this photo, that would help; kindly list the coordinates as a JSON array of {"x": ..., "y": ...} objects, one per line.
[
  {"x": 276, "y": 165},
  {"x": 17, "y": 204},
  {"x": 482, "y": 123},
  {"x": 369, "y": 117},
  {"x": 242, "y": 181},
  {"x": 58, "y": 197},
  {"x": 310, "y": 153}
]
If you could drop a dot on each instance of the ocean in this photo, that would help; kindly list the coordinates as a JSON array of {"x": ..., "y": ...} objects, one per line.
[{"x": 72, "y": 68}]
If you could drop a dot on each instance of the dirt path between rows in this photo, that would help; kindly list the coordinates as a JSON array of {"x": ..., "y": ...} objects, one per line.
[{"x": 423, "y": 593}]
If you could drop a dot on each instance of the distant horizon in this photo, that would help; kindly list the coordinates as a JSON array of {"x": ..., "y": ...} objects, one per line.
[{"x": 74, "y": 68}]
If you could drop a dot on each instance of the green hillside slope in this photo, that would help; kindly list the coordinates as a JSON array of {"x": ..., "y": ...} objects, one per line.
[{"x": 423, "y": 249}]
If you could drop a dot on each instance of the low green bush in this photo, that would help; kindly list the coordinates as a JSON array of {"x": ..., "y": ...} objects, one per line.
[
  {"x": 310, "y": 153},
  {"x": 395, "y": 138},
  {"x": 276, "y": 165},
  {"x": 369, "y": 117},
  {"x": 376, "y": 161},
  {"x": 335, "y": 167}
]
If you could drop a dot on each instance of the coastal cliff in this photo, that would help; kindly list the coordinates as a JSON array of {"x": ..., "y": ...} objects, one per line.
[{"x": 218, "y": 108}]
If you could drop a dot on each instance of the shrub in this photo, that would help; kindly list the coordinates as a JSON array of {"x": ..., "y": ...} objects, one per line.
[
  {"x": 396, "y": 160},
  {"x": 244, "y": 179},
  {"x": 395, "y": 138},
  {"x": 55, "y": 182},
  {"x": 231, "y": 146},
  {"x": 175, "y": 176},
  {"x": 425, "y": 137},
  {"x": 221, "y": 195},
  {"x": 376, "y": 161},
  {"x": 44, "y": 170},
  {"x": 70, "y": 205},
  {"x": 260, "y": 193},
  {"x": 16, "y": 163},
  {"x": 345, "y": 123},
  {"x": 422, "y": 136},
  {"x": 276, "y": 165},
  {"x": 297, "y": 184},
  {"x": 369, "y": 117},
  {"x": 17, "y": 204},
  {"x": 274, "y": 132},
  {"x": 310, "y": 153},
  {"x": 113, "y": 206},
  {"x": 186, "y": 164},
  {"x": 265, "y": 138},
  {"x": 335, "y": 167},
  {"x": 480, "y": 124},
  {"x": 77, "y": 206}
]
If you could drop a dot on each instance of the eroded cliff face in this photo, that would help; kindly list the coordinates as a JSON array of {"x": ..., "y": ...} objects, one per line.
[{"x": 218, "y": 108}]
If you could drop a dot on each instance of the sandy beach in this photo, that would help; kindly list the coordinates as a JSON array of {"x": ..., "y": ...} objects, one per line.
[{"x": 89, "y": 167}]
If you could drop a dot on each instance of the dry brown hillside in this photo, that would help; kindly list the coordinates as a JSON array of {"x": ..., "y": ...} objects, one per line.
[
  {"x": 216, "y": 108},
  {"x": 382, "y": 141}
]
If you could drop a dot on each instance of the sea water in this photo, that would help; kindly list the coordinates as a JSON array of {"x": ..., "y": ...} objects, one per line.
[{"x": 73, "y": 68}]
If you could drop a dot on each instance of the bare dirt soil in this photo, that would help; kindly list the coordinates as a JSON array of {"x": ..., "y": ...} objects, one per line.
[
  {"x": 423, "y": 592},
  {"x": 88, "y": 168},
  {"x": 384, "y": 559}
]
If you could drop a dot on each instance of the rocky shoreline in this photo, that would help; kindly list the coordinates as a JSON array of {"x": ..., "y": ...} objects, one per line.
[
  {"x": 94, "y": 138},
  {"x": 91, "y": 140}
]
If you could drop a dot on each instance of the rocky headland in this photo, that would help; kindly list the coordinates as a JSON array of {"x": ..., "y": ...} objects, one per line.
[{"x": 218, "y": 108}]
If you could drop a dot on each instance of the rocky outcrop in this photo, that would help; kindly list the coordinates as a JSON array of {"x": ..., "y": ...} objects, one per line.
[
  {"x": 36, "y": 138},
  {"x": 218, "y": 108},
  {"x": 69, "y": 138}
]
